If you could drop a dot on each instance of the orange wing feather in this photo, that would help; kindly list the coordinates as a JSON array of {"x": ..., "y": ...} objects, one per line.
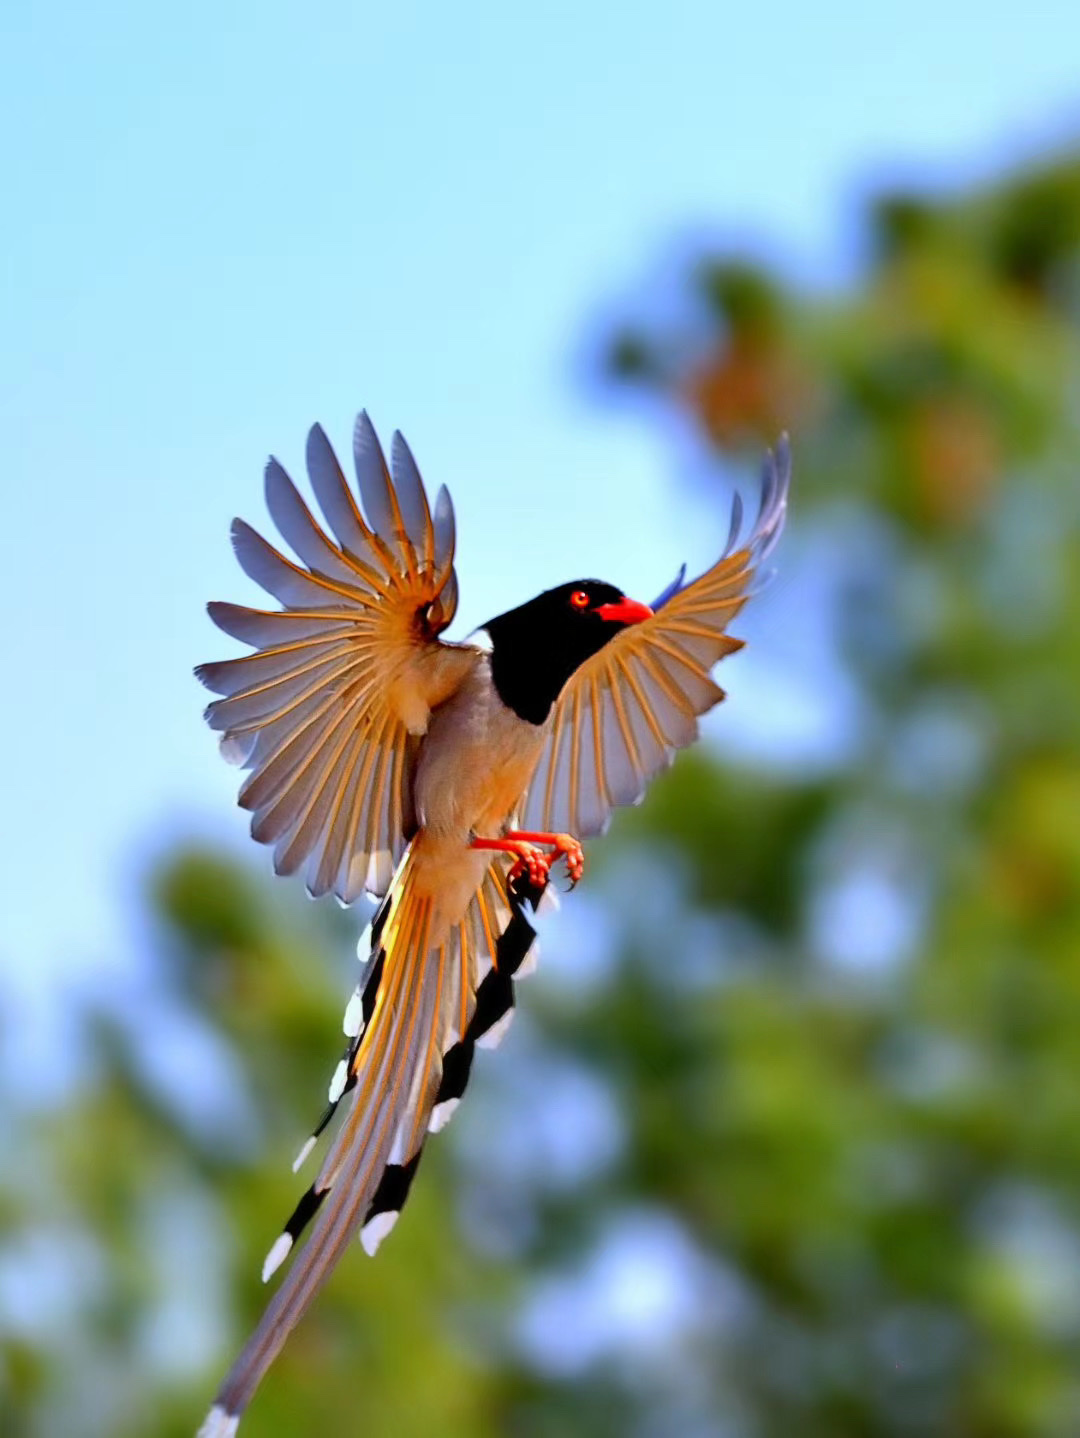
[{"x": 627, "y": 710}]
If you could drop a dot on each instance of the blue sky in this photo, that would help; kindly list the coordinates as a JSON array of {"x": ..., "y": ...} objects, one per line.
[{"x": 224, "y": 222}]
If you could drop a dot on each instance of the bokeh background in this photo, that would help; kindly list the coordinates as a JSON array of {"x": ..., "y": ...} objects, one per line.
[{"x": 786, "y": 1136}]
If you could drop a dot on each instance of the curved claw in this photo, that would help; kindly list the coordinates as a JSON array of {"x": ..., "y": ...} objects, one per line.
[
  {"x": 566, "y": 847},
  {"x": 531, "y": 861}
]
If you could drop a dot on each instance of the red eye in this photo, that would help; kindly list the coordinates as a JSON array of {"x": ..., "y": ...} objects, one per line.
[{"x": 579, "y": 599}]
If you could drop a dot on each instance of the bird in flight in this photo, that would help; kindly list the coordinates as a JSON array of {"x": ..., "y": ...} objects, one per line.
[{"x": 446, "y": 779}]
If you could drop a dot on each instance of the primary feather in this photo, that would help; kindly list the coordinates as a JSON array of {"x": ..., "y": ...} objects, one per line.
[{"x": 345, "y": 675}]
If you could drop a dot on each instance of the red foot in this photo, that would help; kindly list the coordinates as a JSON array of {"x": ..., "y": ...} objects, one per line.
[
  {"x": 531, "y": 863},
  {"x": 563, "y": 846}
]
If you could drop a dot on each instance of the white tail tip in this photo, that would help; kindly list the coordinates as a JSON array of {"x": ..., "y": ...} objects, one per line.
[
  {"x": 219, "y": 1424},
  {"x": 492, "y": 1037},
  {"x": 442, "y": 1113},
  {"x": 301, "y": 1158},
  {"x": 277, "y": 1255},
  {"x": 337, "y": 1083},
  {"x": 376, "y": 1229},
  {"x": 353, "y": 1020}
]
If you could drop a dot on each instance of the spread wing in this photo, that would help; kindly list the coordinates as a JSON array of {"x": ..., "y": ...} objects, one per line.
[
  {"x": 627, "y": 710},
  {"x": 327, "y": 710}
]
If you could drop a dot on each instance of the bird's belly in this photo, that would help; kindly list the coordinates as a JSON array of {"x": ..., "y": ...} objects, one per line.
[{"x": 476, "y": 761}]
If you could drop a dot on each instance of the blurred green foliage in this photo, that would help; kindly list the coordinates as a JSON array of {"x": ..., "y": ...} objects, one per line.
[{"x": 830, "y": 1185}]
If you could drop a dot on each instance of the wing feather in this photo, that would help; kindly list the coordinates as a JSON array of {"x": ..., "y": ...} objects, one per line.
[
  {"x": 336, "y": 501},
  {"x": 445, "y": 529},
  {"x": 290, "y": 585},
  {"x": 255, "y": 672},
  {"x": 327, "y": 861},
  {"x": 626, "y": 711},
  {"x": 296, "y": 525},
  {"x": 325, "y": 710},
  {"x": 412, "y": 500},
  {"x": 374, "y": 483},
  {"x": 268, "y": 627}
]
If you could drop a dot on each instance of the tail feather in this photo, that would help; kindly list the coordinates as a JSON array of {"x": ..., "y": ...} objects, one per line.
[
  {"x": 358, "y": 1014},
  {"x": 427, "y": 1001}
]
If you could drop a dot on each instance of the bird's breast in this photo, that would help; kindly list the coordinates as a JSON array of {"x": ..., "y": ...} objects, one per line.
[{"x": 475, "y": 762}]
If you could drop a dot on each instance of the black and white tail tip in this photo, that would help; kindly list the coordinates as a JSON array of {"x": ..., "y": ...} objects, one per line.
[
  {"x": 515, "y": 957},
  {"x": 358, "y": 1012}
]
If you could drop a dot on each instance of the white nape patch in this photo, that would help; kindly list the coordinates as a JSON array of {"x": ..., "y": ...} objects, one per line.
[
  {"x": 353, "y": 1020},
  {"x": 277, "y": 1255},
  {"x": 376, "y": 1229},
  {"x": 363, "y": 945},
  {"x": 529, "y": 962},
  {"x": 301, "y": 1158},
  {"x": 492, "y": 1037},
  {"x": 219, "y": 1424},
  {"x": 338, "y": 1082},
  {"x": 441, "y": 1114}
]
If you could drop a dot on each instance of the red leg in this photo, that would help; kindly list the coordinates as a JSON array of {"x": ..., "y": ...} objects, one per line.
[
  {"x": 531, "y": 862},
  {"x": 565, "y": 846}
]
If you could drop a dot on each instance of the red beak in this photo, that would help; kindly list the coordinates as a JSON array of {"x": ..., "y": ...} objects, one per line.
[{"x": 626, "y": 611}]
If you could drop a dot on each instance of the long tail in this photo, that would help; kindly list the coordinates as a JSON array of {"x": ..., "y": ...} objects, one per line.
[{"x": 427, "y": 1001}]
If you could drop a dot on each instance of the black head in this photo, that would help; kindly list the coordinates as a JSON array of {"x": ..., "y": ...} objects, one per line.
[{"x": 536, "y": 647}]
